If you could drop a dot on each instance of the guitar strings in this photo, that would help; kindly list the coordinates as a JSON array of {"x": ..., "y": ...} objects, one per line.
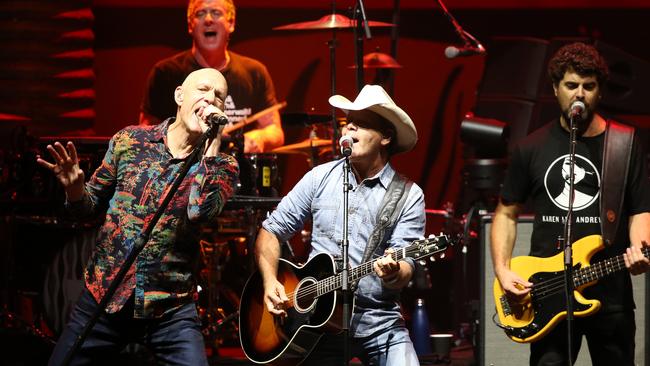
[
  {"x": 312, "y": 289},
  {"x": 556, "y": 284},
  {"x": 355, "y": 274}
]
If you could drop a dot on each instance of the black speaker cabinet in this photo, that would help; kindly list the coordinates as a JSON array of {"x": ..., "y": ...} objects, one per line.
[
  {"x": 495, "y": 349},
  {"x": 514, "y": 68}
]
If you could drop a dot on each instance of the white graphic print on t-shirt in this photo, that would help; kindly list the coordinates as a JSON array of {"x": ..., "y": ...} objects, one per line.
[{"x": 586, "y": 181}]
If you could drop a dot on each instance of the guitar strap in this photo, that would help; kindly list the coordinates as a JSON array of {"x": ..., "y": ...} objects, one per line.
[
  {"x": 616, "y": 160},
  {"x": 389, "y": 210}
]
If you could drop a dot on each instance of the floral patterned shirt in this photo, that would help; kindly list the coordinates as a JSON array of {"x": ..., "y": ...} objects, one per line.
[{"x": 128, "y": 187}]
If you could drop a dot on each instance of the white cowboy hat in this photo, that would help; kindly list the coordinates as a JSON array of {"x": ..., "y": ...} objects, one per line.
[{"x": 374, "y": 98}]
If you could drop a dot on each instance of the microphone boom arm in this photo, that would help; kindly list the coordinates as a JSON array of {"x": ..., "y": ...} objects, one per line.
[{"x": 467, "y": 38}]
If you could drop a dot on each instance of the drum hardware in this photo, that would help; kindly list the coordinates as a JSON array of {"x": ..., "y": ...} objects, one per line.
[
  {"x": 215, "y": 255},
  {"x": 383, "y": 66},
  {"x": 29, "y": 322},
  {"x": 331, "y": 22},
  {"x": 378, "y": 60},
  {"x": 258, "y": 175},
  {"x": 222, "y": 247},
  {"x": 313, "y": 148},
  {"x": 302, "y": 147},
  {"x": 231, "y": 225},
  {"x": 254, "y": 202},
  {"x": 23, "y": 342},
  {"x": 304, "y": 118}
]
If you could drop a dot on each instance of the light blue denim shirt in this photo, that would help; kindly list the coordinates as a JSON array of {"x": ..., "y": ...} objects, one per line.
[{"x": 319, "y": 196}]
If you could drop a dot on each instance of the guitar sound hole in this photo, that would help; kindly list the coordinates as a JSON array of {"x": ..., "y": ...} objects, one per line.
[{"x": 305, "y": 295}]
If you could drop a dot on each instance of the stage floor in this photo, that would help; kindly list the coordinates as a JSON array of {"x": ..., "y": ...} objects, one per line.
[{"x": 459, "y": 356}]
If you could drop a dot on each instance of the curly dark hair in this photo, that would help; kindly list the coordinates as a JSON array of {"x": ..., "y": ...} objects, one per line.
[{"x": 580, "y": 58}]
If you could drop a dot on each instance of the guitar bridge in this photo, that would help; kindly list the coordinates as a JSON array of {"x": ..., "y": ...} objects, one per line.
[{"x": 505, "y": 305}]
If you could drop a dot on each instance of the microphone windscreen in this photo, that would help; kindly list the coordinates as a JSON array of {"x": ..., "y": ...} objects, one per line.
[{"x": 451, "y": 52}]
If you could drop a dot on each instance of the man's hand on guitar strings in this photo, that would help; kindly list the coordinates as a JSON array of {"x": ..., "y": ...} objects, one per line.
[
  {"x": 635, "y": 261},
  {"x": 512, "y": 284},
  {"x": 386, "y": 267},
  {"x": 275, "y": 298}
]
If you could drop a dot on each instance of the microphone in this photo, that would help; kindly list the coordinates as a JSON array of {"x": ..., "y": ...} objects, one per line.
[
  {"x": 346, "y": 143},
  {"x": 216, "y": 120},
  {"x": 576, "y": 109},
  {"x": 453, "y": 52}
]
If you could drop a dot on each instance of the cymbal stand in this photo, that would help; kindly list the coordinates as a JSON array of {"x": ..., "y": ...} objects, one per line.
[
  {"x": 332, "y": 44},
  {"x": 361, "y": 22},
  {"x": 313, "y": 150},
  {"x": 215, "y": 256},
  {"x": 394, "y": 36}
]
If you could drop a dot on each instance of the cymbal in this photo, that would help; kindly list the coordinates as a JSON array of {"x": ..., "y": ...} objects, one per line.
[
  {"x": 378, "y": 60},
  {"x": 331, "y": 21},
  {"x": 303, "y": 147},
  {"x": 304, "y": 118}
]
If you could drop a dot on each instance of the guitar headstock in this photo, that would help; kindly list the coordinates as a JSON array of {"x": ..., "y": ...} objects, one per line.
[{"x": 428, "y": 246}]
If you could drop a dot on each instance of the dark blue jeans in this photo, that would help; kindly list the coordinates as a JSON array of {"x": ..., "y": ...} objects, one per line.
[
  {"x": 174, "y": 339},
  {"x": 388, "y": 347}
]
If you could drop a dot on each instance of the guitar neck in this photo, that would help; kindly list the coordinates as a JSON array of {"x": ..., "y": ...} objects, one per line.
[
  {"x": 335, "y": 282},
  {"x": 601, "y": 269}
]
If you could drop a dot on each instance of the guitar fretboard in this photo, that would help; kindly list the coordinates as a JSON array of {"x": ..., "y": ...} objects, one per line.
[
  {"x": 601, "y": 269},
  {"x": 335, "y": 282},
  {"x": 416, "y": 250}
]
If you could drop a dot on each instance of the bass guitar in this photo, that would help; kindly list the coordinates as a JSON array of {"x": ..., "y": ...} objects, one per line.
[
  {"x": 312, "y": 308},
  {"x": 532, "y": 317}
]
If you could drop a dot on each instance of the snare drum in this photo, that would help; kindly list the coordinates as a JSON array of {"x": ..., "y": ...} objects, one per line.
[{"x": 258, "y": 175}]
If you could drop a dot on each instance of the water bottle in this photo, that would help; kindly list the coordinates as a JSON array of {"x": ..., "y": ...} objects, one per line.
[{"x": 420, "y": 329}]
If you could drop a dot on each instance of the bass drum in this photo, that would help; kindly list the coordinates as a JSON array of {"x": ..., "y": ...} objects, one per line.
[
  {"x": 258, "y": 175},
  {"x": 64, "y": 278}
]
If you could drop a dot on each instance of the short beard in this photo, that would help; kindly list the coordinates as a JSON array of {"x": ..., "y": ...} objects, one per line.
[{"x": 582, "y": 123}]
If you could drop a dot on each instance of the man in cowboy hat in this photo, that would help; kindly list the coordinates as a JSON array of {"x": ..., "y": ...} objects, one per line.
[{"x": 378, "y": 129}]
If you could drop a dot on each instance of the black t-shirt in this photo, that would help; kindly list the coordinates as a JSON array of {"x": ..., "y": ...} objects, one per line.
[
  {"x": 250, "y": 88},
  {"x": 538, "y": 170}
]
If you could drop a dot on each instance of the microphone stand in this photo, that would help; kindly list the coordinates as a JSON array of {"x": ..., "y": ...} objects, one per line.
[
  {"x": 139, "y": 244},
  {"x": 345, "y": 280},
  {"x": 567, "y": 239},
  {"x": 332, "y": 44},
  {"x": 394, "y": 36},
  {"x": 361, "y": 22},
  {"x": 467, "y": 38}
]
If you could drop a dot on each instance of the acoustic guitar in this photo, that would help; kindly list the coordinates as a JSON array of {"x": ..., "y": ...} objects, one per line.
[{"x": 313, "y": 304}]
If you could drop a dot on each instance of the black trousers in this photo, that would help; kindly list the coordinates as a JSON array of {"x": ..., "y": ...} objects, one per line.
[{"x": 610, "y": 338}]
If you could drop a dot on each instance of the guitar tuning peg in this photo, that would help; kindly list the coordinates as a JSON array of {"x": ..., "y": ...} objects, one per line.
[
  {"x": 432, "y": 258},
  {"x": 431, "y": 236},
  {"x": 422, "y": 262},
  {"x": 442, "y": 256}
]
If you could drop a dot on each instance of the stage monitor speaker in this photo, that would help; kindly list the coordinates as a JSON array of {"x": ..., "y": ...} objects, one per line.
[{"x": 495, "y": 349}]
